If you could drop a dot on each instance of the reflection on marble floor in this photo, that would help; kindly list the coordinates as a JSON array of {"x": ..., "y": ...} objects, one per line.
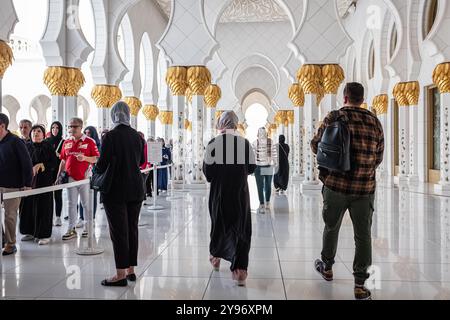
[{"x": 411, "y": 253}]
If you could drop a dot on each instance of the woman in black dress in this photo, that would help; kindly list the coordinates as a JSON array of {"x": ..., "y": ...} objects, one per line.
[
  {"x": 229, "y": 198},
  {"x": 36, "y": 212},
  {"x": 56, "y": 141},
  {"x": 281, "y": 178}
]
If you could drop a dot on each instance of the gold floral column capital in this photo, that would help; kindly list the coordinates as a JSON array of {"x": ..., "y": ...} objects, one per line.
[
  {"x": 6, "y": 57},
  {"x": 75, "y": 80},
  {"x": 290, "y": 116},
  {"x": 441, "y": 77},
  {"x": 150, "y": 112},
  {"x": 213, "y": 93},
  {"x": 380, "y": 104},
  {"x": 176, "y": 79},
  {"x": 365, "y": 106},
  {"x": 166, "y": 117},
  {"x": 105, "y": 95},
  {"x": 399, "y": 93},
  {"x": 296, "y": 95},
  {"x": 134, "y": 103},
  {"x": 333, "y": 75},
  {"x": 63, "y": 81},
  {"x": 199, "y": 78},
  {"x": 412, "y": 92},
  {"x": 310, "y": 78}
]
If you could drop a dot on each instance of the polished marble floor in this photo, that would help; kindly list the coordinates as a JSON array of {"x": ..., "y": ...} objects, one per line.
[{"x": 411, "y": 230}]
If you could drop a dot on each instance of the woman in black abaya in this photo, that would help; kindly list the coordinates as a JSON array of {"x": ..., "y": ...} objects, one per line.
[
  {"x": 36, "y": 212},
  {"x": 281, "y": 178},
  {"x": 229, "y": 199}
]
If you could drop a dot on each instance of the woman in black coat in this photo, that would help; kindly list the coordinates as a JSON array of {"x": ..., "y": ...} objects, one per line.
[
  {"x": 36, "y": 212},
  {"x": 123, "y": 151},
  {"x": 281, "y": 178},
  {"x": 229, "y": 198},
  {"x": 56, "y": 141}
]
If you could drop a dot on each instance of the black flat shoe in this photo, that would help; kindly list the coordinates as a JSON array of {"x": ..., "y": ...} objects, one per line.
[
  {"x": 118, "y": 283},
  {"x": 131, "y": 277}
]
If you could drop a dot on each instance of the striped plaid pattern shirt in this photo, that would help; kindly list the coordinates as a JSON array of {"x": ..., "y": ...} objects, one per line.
[{"x": 366, "y": 149}]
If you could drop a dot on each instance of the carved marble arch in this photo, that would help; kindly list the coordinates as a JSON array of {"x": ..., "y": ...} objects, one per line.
[
  {"x": 146, "y": 59},
  {"x": 40, "y": 104},
  {"x": 428, "y": 15},
  {"x": 430, "y": 46},
  {"x": 256, "y": 60},
  {"x": 368, "y": 45},
  {"x": 116, "y": 9},
  {"x": 399, "y": 23},
  {"x": 227, "y": 3},
  {"x": 83, "y": 103},
  {"x": 12, "y": 105},
  {"x": 257, "y": 95},
  {"x": 129, "y": 52}
]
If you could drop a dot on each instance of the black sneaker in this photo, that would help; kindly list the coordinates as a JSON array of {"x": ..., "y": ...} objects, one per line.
[
  {"x": 12, "y": 250},
  {"x": 319, "y": 265},
  {"x": 362, "y": 293}
]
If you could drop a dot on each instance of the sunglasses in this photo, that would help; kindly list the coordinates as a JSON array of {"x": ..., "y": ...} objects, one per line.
[{"x": 71, "y": 127}]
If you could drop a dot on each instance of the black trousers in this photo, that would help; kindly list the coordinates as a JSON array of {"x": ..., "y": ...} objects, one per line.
[
  {"x": 57, "y": 195},
  {"x": 123, "y": 221},
  {"x": 149, "y": 184}
]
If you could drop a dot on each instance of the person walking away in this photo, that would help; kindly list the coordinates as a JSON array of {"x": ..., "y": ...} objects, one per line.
[
  {"x": 149, "y": 182},
  {"x": 123, "y": 152},
  {"x": 266, "y": 160},
  {"x": 353, "y": 190},
  {"x": 36, "y": 212},
  {"x": 56, "y": 141},
  {"x": 162, "y": 174},
  {"x": 229, "y": 198},
  {"x": 16, "y": 172},
  {"x": 78, "y": 153},
  {"x": 281, "y": 177}
]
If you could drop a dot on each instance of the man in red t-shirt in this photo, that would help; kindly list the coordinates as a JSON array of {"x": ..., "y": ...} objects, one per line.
[{"x": 78, "y": 153}]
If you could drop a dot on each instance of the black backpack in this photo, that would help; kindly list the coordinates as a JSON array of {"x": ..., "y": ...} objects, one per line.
[{"x": 334, "y": 148}]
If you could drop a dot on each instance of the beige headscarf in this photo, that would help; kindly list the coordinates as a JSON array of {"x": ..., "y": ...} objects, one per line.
[{"x": 228, "y": 121}]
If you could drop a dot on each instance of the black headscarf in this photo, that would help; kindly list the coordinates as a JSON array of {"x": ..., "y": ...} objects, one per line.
[
  {"x": 282, "y": 139},
  {"x": 94, "y": 135},
  {"x": 55, "y": 140}
]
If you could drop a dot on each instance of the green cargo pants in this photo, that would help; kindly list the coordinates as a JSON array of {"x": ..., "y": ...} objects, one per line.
[{"x": 361, "y": 210}]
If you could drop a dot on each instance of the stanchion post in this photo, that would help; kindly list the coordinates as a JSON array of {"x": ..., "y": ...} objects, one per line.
[
  {"x": 2, "y": 219},
  {"x": 91, "y": 249}
]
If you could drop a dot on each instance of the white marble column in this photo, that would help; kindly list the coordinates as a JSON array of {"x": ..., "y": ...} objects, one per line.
[
  {"x": 404, "y": 142},
  {"x": 105, "y": 96},
  {"x": 103, "y": 118},
  {"x": 311, "y": 114},
  {"x": 210, "y": 124},
  {"x": 197, "y": 140},
  {"x": 329, "y": 104},
  {"x": 298, "y": 143},
  {"x": 441, "y": 78},
  {"x": 413, "y": 176},
  {"x": 444, "y": 183},
  {"x": 178, "y": 139},
  {"x": 58, "y": 109},
  {"x": 70, "y": 108}
]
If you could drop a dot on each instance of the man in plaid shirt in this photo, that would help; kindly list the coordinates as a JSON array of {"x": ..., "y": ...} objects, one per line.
[{"x": 354, "y": 190}]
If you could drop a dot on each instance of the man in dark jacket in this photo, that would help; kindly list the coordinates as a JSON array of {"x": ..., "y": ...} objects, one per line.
[
  {"x": 353, "y": 190},
  {"x": 15, "y": 174}
]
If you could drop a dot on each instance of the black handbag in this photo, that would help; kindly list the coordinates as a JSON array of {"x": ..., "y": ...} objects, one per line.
[{"x": 102, "y": 181}]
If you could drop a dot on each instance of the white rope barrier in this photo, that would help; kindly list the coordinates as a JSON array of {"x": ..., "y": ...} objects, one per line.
[{"x": 90, "y": 249}]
